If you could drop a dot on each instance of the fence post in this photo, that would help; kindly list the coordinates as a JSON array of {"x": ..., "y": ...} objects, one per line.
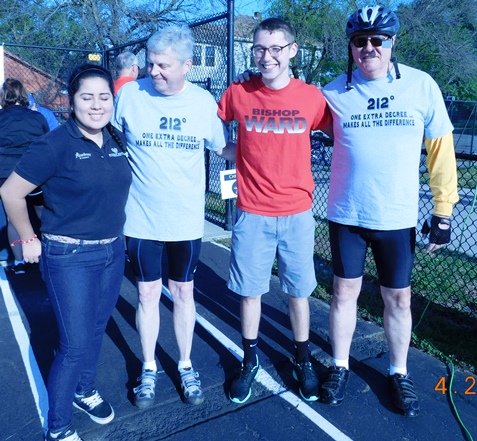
[{"x": 230, "y": 72}]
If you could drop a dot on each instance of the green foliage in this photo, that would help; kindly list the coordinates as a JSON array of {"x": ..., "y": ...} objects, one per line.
[
  {"x": 440, "y": 38},
  {"x": 319, "y": 27},
  {"x": 437, "y": 37}
]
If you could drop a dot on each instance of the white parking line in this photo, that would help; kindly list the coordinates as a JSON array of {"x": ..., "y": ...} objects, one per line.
[
  {"x": 264, "y": 378},
  {"x": 29, "y": 361},
  {"x": 40, "y": 394}
]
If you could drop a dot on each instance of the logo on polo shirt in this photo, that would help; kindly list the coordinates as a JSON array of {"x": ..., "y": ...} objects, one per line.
[
  {"x": 116, "y": 153},
  {"x": 82, "y": 155}
]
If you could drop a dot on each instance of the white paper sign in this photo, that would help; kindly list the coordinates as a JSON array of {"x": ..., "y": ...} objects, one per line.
[{"x": 228, "y": 184}]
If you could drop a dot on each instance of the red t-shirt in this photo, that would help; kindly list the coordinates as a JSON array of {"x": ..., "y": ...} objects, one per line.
[
  {"x": 121, "y": 81},
  {"x": 273, "y": 145}
]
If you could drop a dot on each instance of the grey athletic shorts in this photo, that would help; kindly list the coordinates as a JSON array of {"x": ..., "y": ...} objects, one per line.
[{"x": 257, "y": 240}]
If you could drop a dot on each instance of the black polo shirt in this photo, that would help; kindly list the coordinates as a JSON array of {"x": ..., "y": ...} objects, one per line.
[{"x": 85, "y": 187}]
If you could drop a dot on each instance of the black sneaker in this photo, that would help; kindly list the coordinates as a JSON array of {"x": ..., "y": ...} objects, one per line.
[
  {"x": 305, "y": 374},
  {"x": 19, "y": 268},
  {"x": 403, "y": 394},
  {"x": 68, "y": 434},
  {"x": 99, "y": 411},
  {"x": 333, "y": 386},
  {"x": 241, "y": 387}
]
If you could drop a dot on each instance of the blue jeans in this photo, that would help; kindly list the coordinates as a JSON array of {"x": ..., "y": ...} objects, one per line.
[{"x": 83, "y": 283}]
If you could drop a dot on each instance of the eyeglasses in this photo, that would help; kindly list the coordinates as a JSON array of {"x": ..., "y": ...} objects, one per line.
[
  {"x": 363, "y": 41},
  {"x": 274, "y": 51}
]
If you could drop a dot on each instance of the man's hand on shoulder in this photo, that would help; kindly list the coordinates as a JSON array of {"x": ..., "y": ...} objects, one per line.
[
  {"x": 228, "y": 152},
  {"x": 245, "y": 76}
]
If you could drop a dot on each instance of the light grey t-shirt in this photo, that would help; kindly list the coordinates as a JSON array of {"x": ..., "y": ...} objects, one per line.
[
  {"x": 379, "y": 127},
  {"x": 166, "y": 138}
]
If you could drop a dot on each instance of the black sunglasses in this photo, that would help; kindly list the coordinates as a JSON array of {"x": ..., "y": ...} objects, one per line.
[{"x": 363, "y": 41}]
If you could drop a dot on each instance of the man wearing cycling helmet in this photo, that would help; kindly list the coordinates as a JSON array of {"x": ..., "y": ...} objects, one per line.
[{"x": 382, "y": 112}]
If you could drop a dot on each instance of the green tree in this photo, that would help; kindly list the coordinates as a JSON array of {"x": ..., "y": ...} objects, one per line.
[
  {"x": 94, "y": 24},
  {"x": 437, "y": 37},
  {"x": 319, "y": 28},
  {"x": 440, "y": 38}
]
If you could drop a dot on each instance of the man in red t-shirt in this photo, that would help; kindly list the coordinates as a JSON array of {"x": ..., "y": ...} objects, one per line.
[
  {"x": 128, "y": 69},
  {"x": 274, "y": 218}
]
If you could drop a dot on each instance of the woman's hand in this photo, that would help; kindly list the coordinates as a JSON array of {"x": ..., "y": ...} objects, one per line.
[{"x": 31, "y": 251}]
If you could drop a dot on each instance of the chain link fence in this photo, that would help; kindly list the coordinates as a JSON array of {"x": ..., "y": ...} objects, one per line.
[
  {"x": 447, "y": 279},
  {"x": 209, "y": 70},
  {"x": 44, "y": 71}
]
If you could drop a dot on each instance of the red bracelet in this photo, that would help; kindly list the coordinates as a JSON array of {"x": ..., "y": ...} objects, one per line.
[{"x": 23, "y": 242}]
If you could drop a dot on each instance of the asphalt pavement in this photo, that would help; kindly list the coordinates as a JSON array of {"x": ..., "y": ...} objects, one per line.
[{"x": 275, "y": 411}]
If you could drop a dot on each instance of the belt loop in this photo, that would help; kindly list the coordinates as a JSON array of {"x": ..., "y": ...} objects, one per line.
[{"x": 81, "y": 243}]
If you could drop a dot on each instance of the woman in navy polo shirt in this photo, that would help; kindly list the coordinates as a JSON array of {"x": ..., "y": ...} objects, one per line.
[{"x": 83, "y": 169}]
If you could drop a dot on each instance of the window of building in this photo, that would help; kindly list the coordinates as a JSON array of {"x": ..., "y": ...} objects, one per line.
[
  {"x": 197, "y": 60},
  {"x": 210, "y": 56}
]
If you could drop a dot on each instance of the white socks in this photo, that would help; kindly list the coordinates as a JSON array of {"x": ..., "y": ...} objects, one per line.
[
  {"x": 341, "y": 363},
  {"x": 184, "y": 364},
  {"x": 149, "y": 366},
  {"x": 152, "y": 366},
  {"x": 397, "y": 370}
]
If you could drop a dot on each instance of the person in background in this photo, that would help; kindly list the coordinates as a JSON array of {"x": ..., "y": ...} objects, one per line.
[
  {"x": 168, "y": 122},
  {"x": 127, "y": 67},
  {"x": 19, "y": 126},
  {"x": 275, "y": 115},
  {"x": 83, "y": 169},
  {"x": 47, "y": 113},
  {"x": 382, "y": 113}
]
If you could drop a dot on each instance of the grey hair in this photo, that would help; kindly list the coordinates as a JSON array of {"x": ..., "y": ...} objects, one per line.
[
  {"x": 178, "y": 39},
  {"x": 125, "y": 60}
]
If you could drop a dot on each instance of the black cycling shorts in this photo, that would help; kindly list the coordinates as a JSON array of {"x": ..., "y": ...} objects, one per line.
[
  {"x": 146, "y": 258},
  {"x": 393, "y": 253}
]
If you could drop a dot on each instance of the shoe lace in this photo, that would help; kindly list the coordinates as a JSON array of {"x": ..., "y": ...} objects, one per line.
[
  {"x": 93, "y": 400},
  {"x": 307, "y": 369},
  {"x": 334, "y": 378},
  {"x": 246, "y": 371},
  {"x": 190, "y": 379},
  {"x": 406, "y": 388}
]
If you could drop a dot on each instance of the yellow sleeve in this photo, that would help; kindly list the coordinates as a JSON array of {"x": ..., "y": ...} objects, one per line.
[{"x": 443, "y": 173}]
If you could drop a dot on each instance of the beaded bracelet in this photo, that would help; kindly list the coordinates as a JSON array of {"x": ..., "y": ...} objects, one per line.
[{"x": 23, "y": 242}]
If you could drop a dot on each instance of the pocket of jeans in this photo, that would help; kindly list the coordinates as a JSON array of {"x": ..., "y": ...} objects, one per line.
[{"x": 58, "y": 250}]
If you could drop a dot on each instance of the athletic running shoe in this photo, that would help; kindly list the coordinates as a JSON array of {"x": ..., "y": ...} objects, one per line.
[
  {"x": 146, "y": 391},
  {"x": 190, "y": 384},
  {"x": 305, "y": 374},
  {"x": 99, "y": 411},
  {"x": 19, "y": 268},
  {"x": 333, "y": 386},
  {"x": 403, "y": 394},
  {"x": 68, "y": 434},
  {"x": 241, "y": 387}
]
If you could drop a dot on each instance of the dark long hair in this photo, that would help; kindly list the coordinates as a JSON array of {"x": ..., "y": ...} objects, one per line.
[{"x": 89, "y": 70}]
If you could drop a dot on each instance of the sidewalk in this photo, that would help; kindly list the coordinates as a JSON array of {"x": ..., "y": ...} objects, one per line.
[
  {"x": 369, "y": 364},
  {"x": 366, "y": 414},
  {"x": 212, "y": 231}
]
